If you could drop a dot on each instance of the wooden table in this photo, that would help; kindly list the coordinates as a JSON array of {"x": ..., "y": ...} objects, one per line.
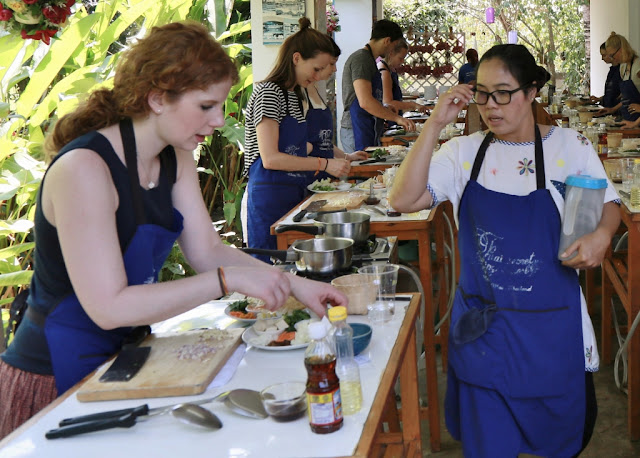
[
  {"x": 425, "y": 230},
  {"x": 621, "y": 275},
  {"x": 392, "y": 352},
  {"x": 370, "y": 170}
]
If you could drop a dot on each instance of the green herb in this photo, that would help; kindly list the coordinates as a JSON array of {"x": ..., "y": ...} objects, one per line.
[
  {"x": 292, "y": 318},
  {"x": 239, "y": 306},
  {"x": 379, "y": 152},
  {"x": 322, "y": 187}
]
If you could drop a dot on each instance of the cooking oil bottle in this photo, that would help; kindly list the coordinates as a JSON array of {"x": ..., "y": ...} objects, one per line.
[
  {"x": 635, "y": 186},
  {"x": 324, "y": 403},
  {"x": 346, "y": 366}
]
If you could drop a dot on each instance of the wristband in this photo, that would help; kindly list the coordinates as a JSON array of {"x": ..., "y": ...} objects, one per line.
[
  {"x": 326, "y": 165},
  {"x": 318, "y": 169},
  {"x": 223, "y": 281}
]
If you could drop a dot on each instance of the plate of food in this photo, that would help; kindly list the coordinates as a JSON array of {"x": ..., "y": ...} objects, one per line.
[
  {"x": 248, "y": 310},
  {"x": 326, "y": 185},
  {"x": 287, "y": 332}
]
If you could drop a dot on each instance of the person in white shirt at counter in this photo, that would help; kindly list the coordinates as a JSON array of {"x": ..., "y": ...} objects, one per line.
[
  {"x": 122, "y": 188},
  {"x": 320, "y": 122},
  {"x": 521, "y": 345}
]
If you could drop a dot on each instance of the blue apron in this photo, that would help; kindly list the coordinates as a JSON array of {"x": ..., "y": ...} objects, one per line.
[
  {"x": 629, "y": 94},
  {"x": 320, "y": 132},
  {"x": 272, "y": 193},
  {"x": 612, "y": 87},
  {"x": 366, "y": 127},
  {"x": 77, "y": 345},
  {"x": 516, "y": 382}
]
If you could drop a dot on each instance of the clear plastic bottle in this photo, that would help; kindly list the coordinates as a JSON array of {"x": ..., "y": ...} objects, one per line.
[
  {"x": 346, "y": 366},
  {"x": 323, "y": 386},
  {"x": 635, "y": 186}
]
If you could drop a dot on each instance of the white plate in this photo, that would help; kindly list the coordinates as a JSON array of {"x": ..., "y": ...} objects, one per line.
[
  {"x": 351, "y": 188},
  {"x": 243, "y": 320},
  {"x": 250, "y": 334}
]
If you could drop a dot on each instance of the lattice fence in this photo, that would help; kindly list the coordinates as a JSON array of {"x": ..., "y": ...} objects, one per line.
[{"x": 433, "y": 61}]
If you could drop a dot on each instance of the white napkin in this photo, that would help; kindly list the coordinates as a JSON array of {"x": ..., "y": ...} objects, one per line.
[{"x": 229, "y": 368}]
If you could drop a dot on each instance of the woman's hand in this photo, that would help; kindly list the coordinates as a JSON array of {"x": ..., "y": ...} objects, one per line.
[
  {"x": 357, "y": 156},
  {"x": 338, "y": 167},
  {"x": 591, "y": 249},
  {"x": 634, "y": 108},
  {"x": 417, "y": 107},
  {"x": 603, "y": 112},
  {"x": 316, "y": 295},
  {"x": 450, "y": 103},
  {"x": 629, "y": 124},
  {"x": 264, "y": 282}
]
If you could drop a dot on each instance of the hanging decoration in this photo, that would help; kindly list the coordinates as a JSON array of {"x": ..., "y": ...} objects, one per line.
[
  {"x": 490, "y": 15},
  {"x": 512, "y": 37},
  {"x": 35, "y": 19},
  {"x": 333, "y": 20}
]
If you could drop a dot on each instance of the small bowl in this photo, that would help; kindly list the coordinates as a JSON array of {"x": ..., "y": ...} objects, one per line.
[
  {"x": 344, "y": 186},
  {"x": 361, "y": 337},
  {"x": 285, "y": 401}
]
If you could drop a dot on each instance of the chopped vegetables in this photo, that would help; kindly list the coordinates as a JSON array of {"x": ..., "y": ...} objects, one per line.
[
  {"x": 293, "y": 317},
  {"x": 239, "y": 306},
  {"x": 379, "y": 152}
]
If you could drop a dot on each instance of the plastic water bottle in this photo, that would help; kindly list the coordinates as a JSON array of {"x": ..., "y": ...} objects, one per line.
[
  {"x": 346, "y": 366},
  {"x": 323, "y": 387},
  {"x": 602, "y": 140},
  {"x": 635, "y": 186},
  {"x": 592, "y": 134}
]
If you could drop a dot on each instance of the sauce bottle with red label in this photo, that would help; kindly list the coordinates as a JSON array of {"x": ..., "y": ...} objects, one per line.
[{"x": 324, "y": 404}]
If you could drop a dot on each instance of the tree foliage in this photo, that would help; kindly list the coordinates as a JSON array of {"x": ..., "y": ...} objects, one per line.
[{"x": 553, "y": 30}]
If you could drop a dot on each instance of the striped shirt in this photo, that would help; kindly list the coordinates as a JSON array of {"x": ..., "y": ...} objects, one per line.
[{"x": 267, "y": 100}]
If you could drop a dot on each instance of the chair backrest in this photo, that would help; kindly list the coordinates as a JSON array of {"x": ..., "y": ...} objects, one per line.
[{"x": 473, "y": 121}]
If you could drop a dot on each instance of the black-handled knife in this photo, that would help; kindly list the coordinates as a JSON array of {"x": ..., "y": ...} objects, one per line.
[
  {"x": 124, "y": 421},
  {"x": 109, "y": 414},
  {"x": 373, "y": 161}
]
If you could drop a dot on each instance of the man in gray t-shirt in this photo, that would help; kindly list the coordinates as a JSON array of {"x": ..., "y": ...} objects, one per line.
[{"x": 362, "y": 91}]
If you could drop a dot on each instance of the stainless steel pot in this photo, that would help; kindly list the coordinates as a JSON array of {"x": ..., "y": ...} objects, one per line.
[
  {"x": 352, "y": 225},
  {"x": 325, "y": 255}
]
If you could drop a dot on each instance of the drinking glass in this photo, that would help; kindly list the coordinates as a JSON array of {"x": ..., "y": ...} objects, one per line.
[{"x": 385, "y": 279}]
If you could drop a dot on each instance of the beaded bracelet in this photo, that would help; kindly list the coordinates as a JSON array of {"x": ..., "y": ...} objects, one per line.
[{"x": 223, "y": 281}]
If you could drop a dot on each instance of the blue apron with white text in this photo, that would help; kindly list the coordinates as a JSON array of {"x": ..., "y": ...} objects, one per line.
[
  {"x": 78, "y": 345},
  {"x": 272, "y": 193},
  {"x": 629, "y": 94},
  {"x": 366, "y": 127},
  {"x": 516, "y": 382},
  {"x": 320, "y": 132}
]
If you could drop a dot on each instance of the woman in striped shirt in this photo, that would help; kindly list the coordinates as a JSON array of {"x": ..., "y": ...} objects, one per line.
[{"x": 276, "y": 159}]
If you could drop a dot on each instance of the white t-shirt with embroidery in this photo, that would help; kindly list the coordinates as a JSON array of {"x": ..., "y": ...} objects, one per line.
[{"x": 507, "y": 169}]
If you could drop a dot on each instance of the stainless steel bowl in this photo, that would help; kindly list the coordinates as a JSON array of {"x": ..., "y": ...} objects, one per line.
[{"x": 352, "y": 225}]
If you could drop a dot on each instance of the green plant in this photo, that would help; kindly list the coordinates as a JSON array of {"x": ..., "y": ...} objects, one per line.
[{"x": 40, "y": 83}]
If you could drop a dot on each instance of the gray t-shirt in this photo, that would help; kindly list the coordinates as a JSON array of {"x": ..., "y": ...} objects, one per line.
[{"x": 359, "y": 65}]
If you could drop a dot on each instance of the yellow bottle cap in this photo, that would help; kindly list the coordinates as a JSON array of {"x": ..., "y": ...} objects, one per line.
[{"x": 338, "y": 313}]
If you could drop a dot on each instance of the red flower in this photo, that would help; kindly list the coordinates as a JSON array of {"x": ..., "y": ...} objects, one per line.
[
  {"x": 55, "y": 14},
  {"x": 44, "y": 35},
  {"x": 5, "y": 15},
  {"x": 29, "y": 2},
  {"x": 70, "y": 3}
]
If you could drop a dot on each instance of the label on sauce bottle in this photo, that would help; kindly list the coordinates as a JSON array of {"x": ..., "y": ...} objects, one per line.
[{"x": 324, "y": 408}]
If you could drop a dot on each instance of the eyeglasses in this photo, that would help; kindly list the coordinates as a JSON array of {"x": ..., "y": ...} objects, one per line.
[
  {"x": 501, "y": 97},
  {"x": 614, "y": 53}
]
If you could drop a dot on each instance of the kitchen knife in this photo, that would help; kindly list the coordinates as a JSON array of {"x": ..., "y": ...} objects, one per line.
[
  {"x": 373, "y": 161},
  {"x": 314, "y": 215},
  {"x": 130, "y": 358},
  {"x": 312, "y": 207},
  {"x": 135, "y": 411}
]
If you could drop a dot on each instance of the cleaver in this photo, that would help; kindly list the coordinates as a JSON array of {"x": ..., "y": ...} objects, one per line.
[
  {"x": 130, "y": 358},
  {"x": 312, "y": 207}
]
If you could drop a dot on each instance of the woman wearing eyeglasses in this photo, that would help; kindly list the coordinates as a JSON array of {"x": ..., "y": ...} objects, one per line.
[
  {"x": 521, "y": 346},
  {"x": 620, "y": 52}
]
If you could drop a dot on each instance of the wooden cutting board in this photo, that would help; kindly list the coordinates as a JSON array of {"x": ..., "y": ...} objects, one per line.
[
  {"x": 341, "y": 199},
  {"x": 179, "y": 364}
]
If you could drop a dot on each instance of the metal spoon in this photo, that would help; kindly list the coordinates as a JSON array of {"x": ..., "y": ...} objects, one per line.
[{"x": 196, "y": 415}]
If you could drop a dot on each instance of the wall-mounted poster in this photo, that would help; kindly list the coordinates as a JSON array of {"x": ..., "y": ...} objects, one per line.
[{"x": 280, "y": 19}]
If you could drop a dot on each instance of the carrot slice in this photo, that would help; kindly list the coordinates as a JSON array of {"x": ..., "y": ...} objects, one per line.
[{"x": 286, "y": 336}]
